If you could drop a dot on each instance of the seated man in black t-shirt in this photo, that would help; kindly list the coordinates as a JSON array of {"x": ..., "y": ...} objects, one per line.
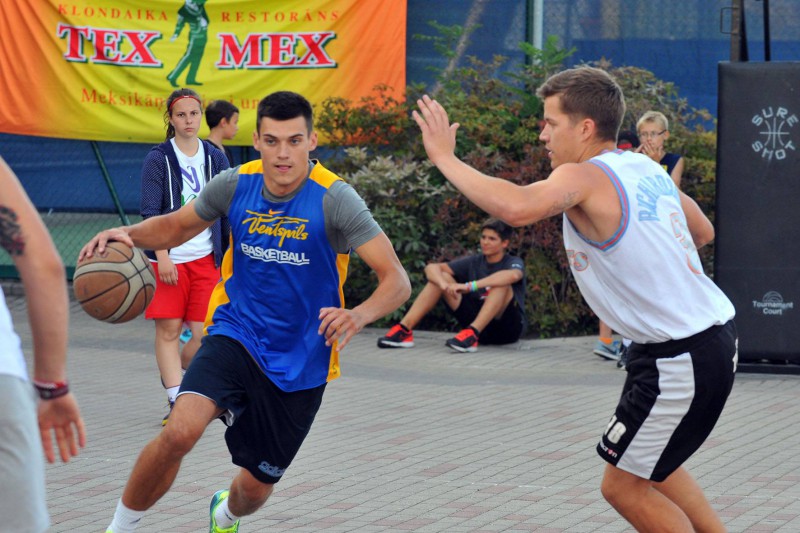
[{"x": 485, "y": 292}]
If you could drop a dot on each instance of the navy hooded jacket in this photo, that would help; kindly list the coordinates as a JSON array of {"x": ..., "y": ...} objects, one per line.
[{"x": 162, "y": 185}]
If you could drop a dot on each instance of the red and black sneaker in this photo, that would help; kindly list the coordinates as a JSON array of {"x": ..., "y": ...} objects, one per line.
[
  {"x": 397, "y": 337},
  {"x": 465, "y": 341}
]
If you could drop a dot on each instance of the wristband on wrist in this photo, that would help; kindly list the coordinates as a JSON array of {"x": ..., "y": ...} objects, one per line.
[
  {"x": 473, "y": 286},
  {"x": 49, "y": 390}
]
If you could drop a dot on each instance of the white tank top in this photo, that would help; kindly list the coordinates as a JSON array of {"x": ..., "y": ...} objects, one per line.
[
  {"x": 646, "y": 281},
  {"x": 11, "y": 359}
]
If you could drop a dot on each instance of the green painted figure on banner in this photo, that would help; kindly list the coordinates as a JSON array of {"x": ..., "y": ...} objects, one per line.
[{"x": 194, "y": 14}]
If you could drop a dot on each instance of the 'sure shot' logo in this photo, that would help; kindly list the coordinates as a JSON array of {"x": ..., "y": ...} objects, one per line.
[
  {"x": 772, "y": 304},
  {"x": 774, "y": 138}
]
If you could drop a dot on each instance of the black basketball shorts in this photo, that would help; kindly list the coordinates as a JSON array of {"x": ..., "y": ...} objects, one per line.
[
  {"x": 672, "y": 398},
  {"x": 266, "y": 425}
]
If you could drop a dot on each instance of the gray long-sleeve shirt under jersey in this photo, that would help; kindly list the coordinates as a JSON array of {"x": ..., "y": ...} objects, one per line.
[{"x": 348, "y": 220}]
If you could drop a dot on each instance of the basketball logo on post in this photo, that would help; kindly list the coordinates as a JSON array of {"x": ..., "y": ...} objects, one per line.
[{"x": 774, "y": 136}]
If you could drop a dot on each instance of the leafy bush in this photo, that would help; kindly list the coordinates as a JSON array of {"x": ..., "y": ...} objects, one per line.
[
  {"x": 428, "y": 220},
  {"x": 406, "y": 199},
  {"x": 379, "y": 122}
]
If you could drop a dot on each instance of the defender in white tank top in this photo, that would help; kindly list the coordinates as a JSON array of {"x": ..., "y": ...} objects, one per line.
[
  {"x": 631, "y": 238},
  {"x": 632, "y": 291}
]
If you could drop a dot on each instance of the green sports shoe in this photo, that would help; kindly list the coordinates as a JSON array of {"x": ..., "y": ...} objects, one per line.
[{"x": 219, "y": 497}]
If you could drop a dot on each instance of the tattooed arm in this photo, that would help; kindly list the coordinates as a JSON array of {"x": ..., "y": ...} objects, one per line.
[{"x": 24, "y": 236}]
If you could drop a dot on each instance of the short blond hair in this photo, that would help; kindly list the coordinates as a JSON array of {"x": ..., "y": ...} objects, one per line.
[{"x": 653, "y": 116}]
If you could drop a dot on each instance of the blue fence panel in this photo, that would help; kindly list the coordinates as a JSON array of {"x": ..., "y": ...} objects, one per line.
[{"x": 64, "y": 174}]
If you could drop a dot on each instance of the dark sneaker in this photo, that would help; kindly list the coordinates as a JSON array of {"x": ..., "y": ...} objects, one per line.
[
  {"x": 397, "y": 337},
  {"x": 465, "y": 341},
  {"x": 166, "y": 416},
  {"x": 623, "y": 358}
]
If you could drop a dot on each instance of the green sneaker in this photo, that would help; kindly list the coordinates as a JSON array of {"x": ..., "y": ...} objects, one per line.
[{"x": 219, "y": 497}]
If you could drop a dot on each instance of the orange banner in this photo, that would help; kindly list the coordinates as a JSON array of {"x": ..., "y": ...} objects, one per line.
[{"x": 102, "y": 69}]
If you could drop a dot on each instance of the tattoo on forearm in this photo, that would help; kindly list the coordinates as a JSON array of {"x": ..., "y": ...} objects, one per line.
[
  {"x": 567, "y": 202},
  {"x": 10, "y": 233}
]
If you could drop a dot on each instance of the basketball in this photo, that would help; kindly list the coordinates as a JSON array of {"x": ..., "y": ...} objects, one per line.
[{"x": 116, "y": 286}]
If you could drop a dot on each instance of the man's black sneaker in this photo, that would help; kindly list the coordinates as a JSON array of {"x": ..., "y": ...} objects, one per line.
[
  {"x": 397, "y": 337},
  {"x": 465, "y": 341}
]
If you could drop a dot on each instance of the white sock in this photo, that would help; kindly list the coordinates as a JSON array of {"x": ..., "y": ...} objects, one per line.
[
  {"x": 224, "y": 517},
  {"x": 626, "y": 342},
  {"x": 125, "y": 520},
  {"x": 172, "y": 393}
]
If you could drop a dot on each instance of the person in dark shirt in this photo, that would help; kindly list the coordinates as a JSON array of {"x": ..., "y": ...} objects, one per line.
[
  {"x": 222, "y": 118},
  {"x": 485, "y": 292}
]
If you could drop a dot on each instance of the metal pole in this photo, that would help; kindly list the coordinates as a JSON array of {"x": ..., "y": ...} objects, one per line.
[
  {"x": 738, "y": 32},
  {"x": 109, "y": 183},
  {"x": 535, "y": 29},
  {"x": 767, "y": 44}
]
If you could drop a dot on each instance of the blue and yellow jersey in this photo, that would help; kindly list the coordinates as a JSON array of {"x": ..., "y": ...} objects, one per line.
[{"x": 279, "y": 271}]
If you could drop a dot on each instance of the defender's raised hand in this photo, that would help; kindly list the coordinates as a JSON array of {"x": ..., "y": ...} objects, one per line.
[{"x": 438, "y": 135}]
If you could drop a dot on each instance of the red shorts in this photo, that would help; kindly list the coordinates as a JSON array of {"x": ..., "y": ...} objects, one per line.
[{"x": 189, "y": 298}]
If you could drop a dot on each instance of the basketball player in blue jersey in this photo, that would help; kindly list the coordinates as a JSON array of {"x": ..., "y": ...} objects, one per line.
[
  {"x": 276, "y": 321},
  {"x": 631, "y": 239}
]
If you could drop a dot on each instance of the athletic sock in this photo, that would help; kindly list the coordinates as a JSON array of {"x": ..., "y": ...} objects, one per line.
[
  {"x": 172, "y": 393},
  {"x": 477, "y": 333},
  {"x": 224, "y": 517},
  {"x": 606, "y": 340},
  {"x": 125, "y": 520},
  {"x": 404, "y": 328}
]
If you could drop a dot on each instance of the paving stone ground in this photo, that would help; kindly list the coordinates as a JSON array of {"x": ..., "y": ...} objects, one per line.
[{"x": 423, "y": 440}]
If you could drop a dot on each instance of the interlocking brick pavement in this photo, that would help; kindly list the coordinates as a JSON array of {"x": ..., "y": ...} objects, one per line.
[{"x": 422, "y": 439}]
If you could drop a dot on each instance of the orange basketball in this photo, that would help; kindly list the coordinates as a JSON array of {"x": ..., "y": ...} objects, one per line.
[{"x": 116, "y": 286}]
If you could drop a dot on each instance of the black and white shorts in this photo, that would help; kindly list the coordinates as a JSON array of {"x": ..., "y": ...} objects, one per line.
[
  {"x": 266, "y": 425},
  {"x": 672, "y": 398}
]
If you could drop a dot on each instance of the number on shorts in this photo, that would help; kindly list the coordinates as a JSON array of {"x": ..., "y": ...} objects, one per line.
[{"x": 615, "y": 430}]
